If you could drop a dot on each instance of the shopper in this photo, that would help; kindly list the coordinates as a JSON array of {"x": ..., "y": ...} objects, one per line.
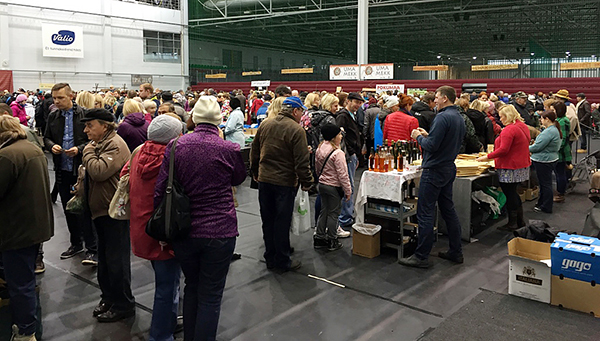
[
  {"x": 544, "y": 155},
  {"x": 423, "y": 111},
  {"x": 511, "y": 157},
  {"x": 18, "y": 109},
  {"x": 23, "y": 180},
  {"x": 484, "y": 128},
  {"x": 522, "y": 107},
  {"x": 143, "y": 172},
  {"x": 346, "y": 118},
  {"x": 584, "y": 114},
  {"x": 103, "y": 159},
  {"x": 134, "y": 128},
  {"x": 234, "y": 127},
  {"x": 564, "y": 153},
  {"x": 371, "y": 114},
  {"x": 334, "y": 184},
  {"x": 575, "y": 131},
  {"x": 279, "y": 160},
  {"x": 205, "y": 254},
  {"x": 401, "y": 123},
  {"x": 85, "y": 99},
  {"x": 65, "y": 138},
  {"x": 261, "y": 113},
  {"x": 440, "y": 148}
]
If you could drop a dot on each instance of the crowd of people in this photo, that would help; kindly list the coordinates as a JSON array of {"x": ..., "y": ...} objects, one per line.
[{"x": 305, "y": 141}]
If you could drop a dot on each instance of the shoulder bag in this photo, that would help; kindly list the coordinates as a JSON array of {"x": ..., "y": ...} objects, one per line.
[
  {"x": 119, "y": 207},
  {"x": 171, "y": 220}
]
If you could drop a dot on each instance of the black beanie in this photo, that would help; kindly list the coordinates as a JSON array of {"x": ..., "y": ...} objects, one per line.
[{"x": 330, "y": 131}]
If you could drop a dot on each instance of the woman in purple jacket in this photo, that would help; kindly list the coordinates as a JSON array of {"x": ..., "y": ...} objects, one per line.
[
  {"x": 134, "y": 128},
  {"x": 207, "y": 167}
]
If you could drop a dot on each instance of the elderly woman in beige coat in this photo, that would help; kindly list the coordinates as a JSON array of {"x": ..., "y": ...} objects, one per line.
[{"x": 103, "y": 159}]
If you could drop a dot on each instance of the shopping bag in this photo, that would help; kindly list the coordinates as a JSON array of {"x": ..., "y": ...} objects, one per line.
[
  {"x": 301, "y": 216},
  {"x": 119, "y": 208}
]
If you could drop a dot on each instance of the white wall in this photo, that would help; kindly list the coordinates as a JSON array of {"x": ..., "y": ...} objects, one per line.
[{"x": 113, "y": 43}]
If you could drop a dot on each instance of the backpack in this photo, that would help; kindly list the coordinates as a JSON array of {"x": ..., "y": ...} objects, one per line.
[{"x": 313, "y": 129}]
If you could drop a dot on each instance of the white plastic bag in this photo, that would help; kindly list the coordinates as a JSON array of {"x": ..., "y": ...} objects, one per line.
[
  {"x": 301, "y": 216},
  {"x": 367, "y": 229}
]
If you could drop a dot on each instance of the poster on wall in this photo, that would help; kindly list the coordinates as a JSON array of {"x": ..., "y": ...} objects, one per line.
[
  {"x": 60, "y": 40},
  {"x": 377, "y": 71},
  {"x": 343, "y": 72},
  {"x": 416, "y": 92},
  {"x": 389, "y": 87},
  {"x": 137, "y": 80}
]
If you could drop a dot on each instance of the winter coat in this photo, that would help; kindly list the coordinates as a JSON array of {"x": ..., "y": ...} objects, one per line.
[
  {"x": 470, "y": 143},
  {"x": 134, "y": 130},
  {"x": 483, "y": 126},
  {"x": 546, "y": 146},
  {"x": 370, "y": 115},
  {"x": 335, "y": 172},
  {"x": 207, "y": 167},
  {"x": 584, "y": 113},
  {"x": 525, "y": 114},
  {"x": 353, "y": 137},
  {"x": 234, "y": 128},
  {"x": 25, "y": 205},
  {"x": 511, "y": 149},
  {"x": 398, "y": 126},
  {"x": 143, "y": 173},
  {"x": 103, "y": 162},
  {"x": 19, "y": 112},
  {"x": 423, "y": 113},
  {"x": 575, "y": 131}
]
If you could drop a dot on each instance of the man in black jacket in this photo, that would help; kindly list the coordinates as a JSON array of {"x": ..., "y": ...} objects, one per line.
[
  {"x": 423, "y": 111},
  {"x": 65, "y": 138},
  {"x": 523, "y": 108},
  {"x": 346, "y": 118},
  {"x": 584, "y": 114}
]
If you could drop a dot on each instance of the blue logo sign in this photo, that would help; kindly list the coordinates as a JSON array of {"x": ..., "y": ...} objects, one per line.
[{"x": 63, "y": 37}]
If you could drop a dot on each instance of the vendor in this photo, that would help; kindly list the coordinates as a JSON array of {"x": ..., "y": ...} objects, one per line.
[
  {"x": 440, "y": 148},
  {"x": 511, "y": 156}
]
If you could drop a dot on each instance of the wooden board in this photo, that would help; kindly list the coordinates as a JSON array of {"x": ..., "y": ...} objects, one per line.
[{"x": 494, "y": 67}]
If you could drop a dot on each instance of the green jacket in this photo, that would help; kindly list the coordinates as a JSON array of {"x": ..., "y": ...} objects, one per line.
[
  {"x": 564, "y": 153},
  {"x": 546, "y": 146},
  {"x": 279, "y": 153},
  {"x": 25, "y": 205}
]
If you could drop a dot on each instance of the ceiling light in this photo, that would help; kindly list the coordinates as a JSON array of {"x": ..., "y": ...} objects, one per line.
[
  {"x": 439, "y": 57},
  {"x": 246, "y": 12},
  {"x": 334, "y": 17},
  {"x": 567, "y": 52},
  {"x": 302, "y": 7},
  {"x": 474, "y": 57},
  {"x": 392, "y": 13},
  {"x": 533, "y": 54}
]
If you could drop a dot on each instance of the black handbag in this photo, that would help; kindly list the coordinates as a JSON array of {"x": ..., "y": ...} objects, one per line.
[{"x": 171, "y": 220}]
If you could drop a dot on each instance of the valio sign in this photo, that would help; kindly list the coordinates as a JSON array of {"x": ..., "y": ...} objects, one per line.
[{"x": 62, "y": 41}]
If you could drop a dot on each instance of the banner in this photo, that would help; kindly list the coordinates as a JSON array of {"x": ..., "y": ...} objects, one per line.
[
  {"x": 137, "y": 80},
  {"x": 260, "y": 84},
  {"x": 343, "y": 72},
  {"x": 389, "y": 87},
  {"x": 377, "y": 71},
  {"x": 6, "y": 81},
  {"x": 62, "y": 41},
  {"x": 416, "y": 91}
]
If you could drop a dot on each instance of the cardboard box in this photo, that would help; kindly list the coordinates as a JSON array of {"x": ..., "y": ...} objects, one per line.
[
  {"x": 576, "y": 295},
  {"x": 532, "y": 193},
  {"x": 528, "y": 276},
  {"x": 522, "y": 194},
  {"x": 576, "y": 258},
  {"x": 366, "y": 246},
  {"x": 250, "y": 131}
]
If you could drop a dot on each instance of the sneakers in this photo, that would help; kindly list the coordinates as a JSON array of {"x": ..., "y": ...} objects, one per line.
[
  {"x": 296, "y": 264},
  {"x": 71, "y": 251},
  {"x": 341, "y": 233},
  {"x": 115, "y": 315},
  {"x": 540, "y": 210},
  {"x": 334, "y": 244},
  {"x": 459, "y": 259},
  {"x": 40, "y": 267},
  {"x": 91, "y": 259},
  {"x": 320, "y": 243},
  {"x": 18, "y": 337},
  {"x": 415, "y": 262},
  {"x": 559, "y": 198}
]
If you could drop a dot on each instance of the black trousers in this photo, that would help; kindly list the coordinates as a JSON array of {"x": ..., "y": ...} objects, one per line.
[
  {"x": 114, "y": 262},
  {"x": 79, "y": 226},
  {"x": 513, "y": 200}
]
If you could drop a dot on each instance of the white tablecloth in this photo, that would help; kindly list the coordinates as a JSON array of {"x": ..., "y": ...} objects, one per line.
[{"x": 386, "y": 186}]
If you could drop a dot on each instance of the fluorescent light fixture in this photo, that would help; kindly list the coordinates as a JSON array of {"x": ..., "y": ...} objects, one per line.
[
  {"x": 246, "y": 12},
  {"x": 302, "y": 7},
  {"x": 474, "y": 57},
  {"x": 439, "y": 57}
]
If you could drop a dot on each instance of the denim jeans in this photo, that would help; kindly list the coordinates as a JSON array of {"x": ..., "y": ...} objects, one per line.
[
  {"x": 114, "y": 262},
  {"x": 276, "y": 207},
  {"x": 347, "y": 216},
  {"x": 19, "y": 267},
  {"x": 544, "y": 175},
  {"x": 166, "y": 299},
  {"x": 436, "y": 186},
  {"x": 205, "y": 263}
]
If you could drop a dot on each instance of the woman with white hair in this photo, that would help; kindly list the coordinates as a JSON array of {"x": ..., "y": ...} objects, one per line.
[{"x": 143, "y": 171}]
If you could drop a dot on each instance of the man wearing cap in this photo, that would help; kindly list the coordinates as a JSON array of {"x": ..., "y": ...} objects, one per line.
[
  {"x": 103, "y": 159},
  {"x": 65, "y": 138},
  {"x": 440, "y": 148},
  {"x": 167, "y": 97},
  {"x": 522, "y": 107},
  {"x": 346, "y": 119},
  {"x": 584, "y": 114},
  {"x": 279, "y": 161},
  {"x": 575, "y": 131}
]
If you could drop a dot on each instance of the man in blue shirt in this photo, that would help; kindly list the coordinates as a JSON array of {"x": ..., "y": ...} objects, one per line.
[{"x": 440, "y": 148}]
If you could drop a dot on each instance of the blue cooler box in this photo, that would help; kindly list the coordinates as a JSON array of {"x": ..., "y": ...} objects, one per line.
[{"x": 576, "y": 257}]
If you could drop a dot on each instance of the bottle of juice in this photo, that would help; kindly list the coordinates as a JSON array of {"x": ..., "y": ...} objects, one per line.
[{"x": 372, "y": 160}]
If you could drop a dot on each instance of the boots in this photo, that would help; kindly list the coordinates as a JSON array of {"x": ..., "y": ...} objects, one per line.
[
  {"x": 18, "y": 337},
  {"x": 512, "y": 222},
  {"x": 520, "y": 219}
]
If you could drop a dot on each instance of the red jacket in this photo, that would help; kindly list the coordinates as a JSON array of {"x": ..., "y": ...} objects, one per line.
[
  {"x": 143, "y": 173},
  {"x": 398, "y": 126},
  {"x": 511, "y": 149}
]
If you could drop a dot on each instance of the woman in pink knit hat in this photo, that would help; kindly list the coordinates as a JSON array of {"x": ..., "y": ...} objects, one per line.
[{"x": 18, "y": 108}]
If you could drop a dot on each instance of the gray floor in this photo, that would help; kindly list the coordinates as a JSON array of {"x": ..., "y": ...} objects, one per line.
[{"x": 381, "y": 299}]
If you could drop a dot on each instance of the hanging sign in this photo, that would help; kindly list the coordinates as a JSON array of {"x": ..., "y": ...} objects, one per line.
[
  {"x": 579, "y": 66},
  {"x": 293, "y": 71},
  {"x": 216, "y": 75},
  {"x": 260, "y": 84},
  {"x": 430, "y": 68},
  {"x": 493, "y": 67},
  {"x": 389, "y": 87},
  {"x": 343, "y": 72},
  {"x": 377, "y": 71},
  {"x": 251, "y": 73},
  {"x": 62, "y": 41}
]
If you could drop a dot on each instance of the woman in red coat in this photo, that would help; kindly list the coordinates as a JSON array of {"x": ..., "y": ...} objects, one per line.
[
  {"x": 143, "y": 171},
  {"x": 512, "y": 161},
  {"x": 399, "y": 124}
]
